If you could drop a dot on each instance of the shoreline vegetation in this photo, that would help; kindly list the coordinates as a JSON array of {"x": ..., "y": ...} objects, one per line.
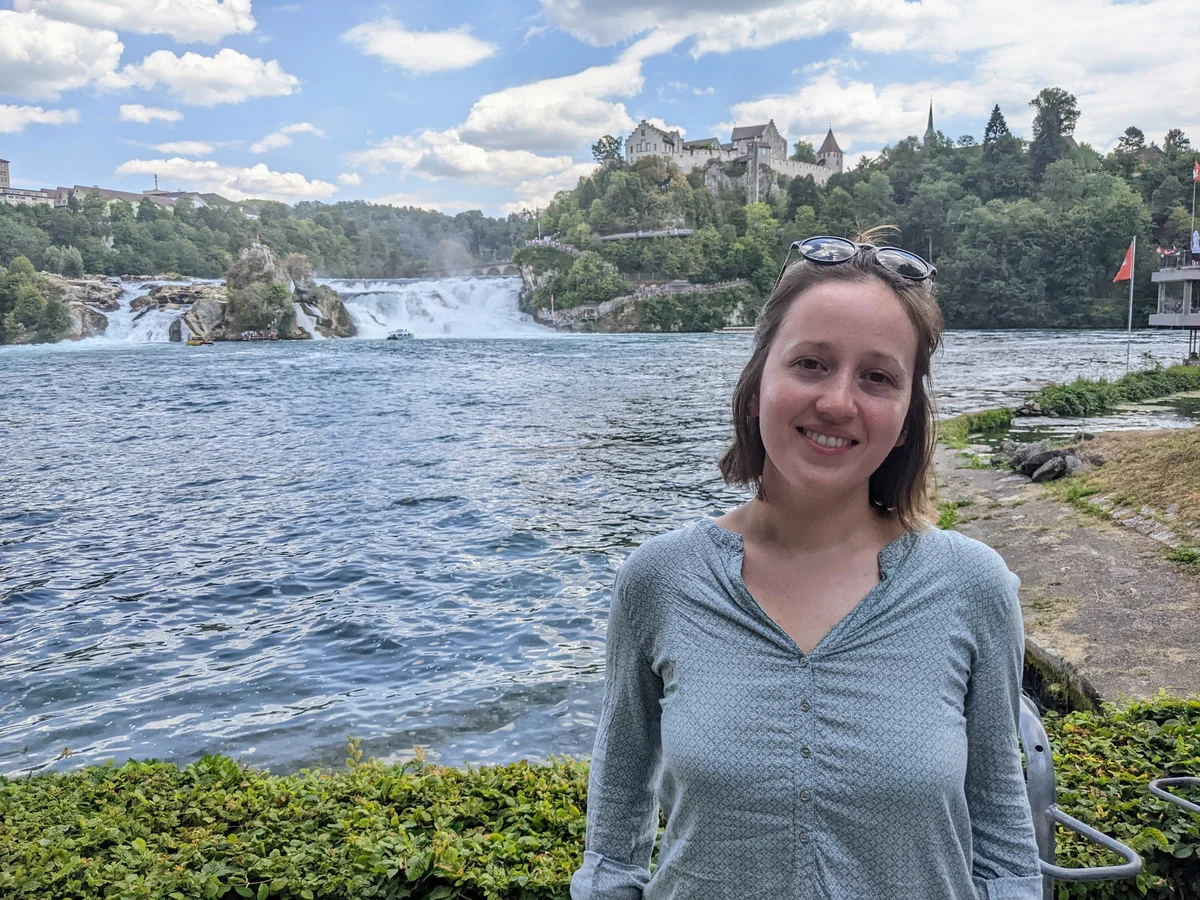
[{"x": 218, "y": 829}]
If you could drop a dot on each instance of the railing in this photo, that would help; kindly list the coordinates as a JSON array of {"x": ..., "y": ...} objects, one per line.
[
  {"x": 1180, "y": 259},
  {"x": 1043, "y": 794},
  {"x": 1157, "y": 789}
]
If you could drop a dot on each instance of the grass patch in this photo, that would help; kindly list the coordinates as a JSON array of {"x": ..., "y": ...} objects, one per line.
[
  {"x": 954, "y": 432},
  {"x": 1083, "y": 397},
  {"x": 1158, "y": 469},
  {"x": 1187, "y": 555},
  {"x": 948, "y": 513}
]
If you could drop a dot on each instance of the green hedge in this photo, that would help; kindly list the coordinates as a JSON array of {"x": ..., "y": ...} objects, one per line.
[
  {"x": 1097, "y": 398},
  {"x": 954, "y": 432},
  {"x": 214, "y": 829}
]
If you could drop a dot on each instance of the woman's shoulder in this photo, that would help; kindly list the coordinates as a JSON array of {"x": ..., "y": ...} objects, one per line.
[
  {"x": 664, "y": 560},
  {"x": 962, "y": 560}
]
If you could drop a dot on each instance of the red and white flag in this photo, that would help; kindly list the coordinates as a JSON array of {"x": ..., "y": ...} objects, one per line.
[
  {"x": 1196, "y": 170},
  {"x": 1126, "y": 267}
]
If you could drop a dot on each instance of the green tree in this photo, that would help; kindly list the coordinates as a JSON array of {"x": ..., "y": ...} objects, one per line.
[
  {"x": 1176, "y": 141},
  {"x": 591, "y": 279},
  {"x": 803, "y": 151},
  {"x": 607, "y": 149},
  {"x": 1055, "y": 113},
  {"x": 1132, "y": 140}
]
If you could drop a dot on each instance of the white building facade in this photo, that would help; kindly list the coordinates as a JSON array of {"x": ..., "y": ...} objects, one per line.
[{"x": 763, "y": 142}]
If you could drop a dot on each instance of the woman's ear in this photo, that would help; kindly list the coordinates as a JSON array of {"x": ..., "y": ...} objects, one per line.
[
  {"x": 754, "y": 406},
  {"x": 903, "y": 436}
]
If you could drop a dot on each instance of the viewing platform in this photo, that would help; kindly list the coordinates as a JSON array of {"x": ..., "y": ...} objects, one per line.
[{"x": 1178, "y": 298}]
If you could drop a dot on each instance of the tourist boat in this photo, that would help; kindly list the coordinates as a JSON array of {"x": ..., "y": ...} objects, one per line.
[
  {"x": 400, "y": 334},
  {"x": 194, "y": 341}
]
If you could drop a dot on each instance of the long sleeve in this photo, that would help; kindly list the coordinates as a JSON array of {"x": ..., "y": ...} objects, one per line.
[
  {"x": 1005, "y": 863},
  {"x": 622, "y": 809}
]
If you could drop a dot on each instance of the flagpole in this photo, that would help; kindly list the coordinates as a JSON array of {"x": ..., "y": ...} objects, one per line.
[{"x": 1129, "y": 331}]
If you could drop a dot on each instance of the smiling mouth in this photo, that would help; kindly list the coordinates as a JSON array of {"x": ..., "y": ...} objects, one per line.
[{"x": 824, "y": 440}]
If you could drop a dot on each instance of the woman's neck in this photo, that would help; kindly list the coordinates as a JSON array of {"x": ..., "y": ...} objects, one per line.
[{"x": 797, "y": 523}]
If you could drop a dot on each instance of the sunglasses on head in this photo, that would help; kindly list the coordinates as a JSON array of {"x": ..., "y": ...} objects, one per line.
[{"x": 832, "y": 250}]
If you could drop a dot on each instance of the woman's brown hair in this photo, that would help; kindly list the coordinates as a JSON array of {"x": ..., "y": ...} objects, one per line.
[{"x": 900, "y": 484}]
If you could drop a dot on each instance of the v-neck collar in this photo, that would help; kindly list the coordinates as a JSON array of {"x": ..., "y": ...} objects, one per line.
[{"x": 890, "y": 558}]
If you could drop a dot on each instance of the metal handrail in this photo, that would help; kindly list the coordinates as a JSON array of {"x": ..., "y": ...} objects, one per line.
[
  {"x": 1043, "y": 795},
  {"x": 1160, "y": 792}
]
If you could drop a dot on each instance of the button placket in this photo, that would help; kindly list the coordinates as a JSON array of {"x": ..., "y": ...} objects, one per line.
[{"x": 805, "y": 823}]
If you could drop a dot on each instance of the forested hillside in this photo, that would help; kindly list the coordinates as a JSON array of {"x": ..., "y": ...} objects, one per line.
[
  {"x": 358, "y": 239},
  {"x": 1024, "y": 233}
]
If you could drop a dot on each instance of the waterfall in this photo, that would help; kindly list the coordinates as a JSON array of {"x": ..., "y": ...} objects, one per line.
[
  {"x": 447, "y": 307},
  {"x": 140, "y": 325}
]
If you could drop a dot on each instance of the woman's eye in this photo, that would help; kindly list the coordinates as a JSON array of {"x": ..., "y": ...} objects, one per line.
[
  {"x": 880, "y": 378},
  {"x": 810, "y": 364}
]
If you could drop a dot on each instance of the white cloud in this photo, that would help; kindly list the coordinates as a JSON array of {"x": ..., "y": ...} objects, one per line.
[
  {"x": 40, "y": 58},
  {"x": 443, "y": 154},
  {"x": 422, "y": 202},
  {"x": 661, "y": 123},
  {"x": 227, "y": 77},
  {"x": 230, "y": 181},
  {"x": 184, "y": 20},
  {"x": 13, "y": 119},
  {"x": 185, "y": 148},
  {"x": 536, "y": 193},
  {"x": 350, "y": 179},
  {"x": 283, "y": 137},
  {"x": 135, "y": 112},
  {"x": 419, "y": 52},
  {"x": 563, "y": 113}
]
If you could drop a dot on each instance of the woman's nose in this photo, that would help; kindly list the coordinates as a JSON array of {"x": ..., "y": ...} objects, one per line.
[{"x": 837, "y": 399}]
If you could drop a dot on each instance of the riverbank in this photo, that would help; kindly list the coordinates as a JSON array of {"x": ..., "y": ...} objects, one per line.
[{"x": 1100, "y": 600}]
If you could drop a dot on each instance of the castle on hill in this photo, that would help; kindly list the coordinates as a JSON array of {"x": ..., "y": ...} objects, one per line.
[{"x": 757, "y": 145}]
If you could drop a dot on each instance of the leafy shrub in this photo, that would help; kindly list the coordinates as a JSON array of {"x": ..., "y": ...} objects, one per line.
[
  {"x": 214, "y": 829},
  {"x": 260, "y": 305},
  {"x": 66, "y": 261},
  {"x": 954, "y": 432},
  {"x": 695, "y": 311},
  {"x": 23, "y": 307},
  {"x": 1084, "y": 398}
]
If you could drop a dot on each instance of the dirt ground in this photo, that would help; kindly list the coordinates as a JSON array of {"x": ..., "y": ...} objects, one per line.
[{"x": 1095, "y": 593}]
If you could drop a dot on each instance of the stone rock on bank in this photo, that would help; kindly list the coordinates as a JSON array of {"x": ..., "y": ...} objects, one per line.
[
  {"x": 97, "y": 291},
  {"x": 319, "y": 301},
  {"x": 85, "y": 321}
]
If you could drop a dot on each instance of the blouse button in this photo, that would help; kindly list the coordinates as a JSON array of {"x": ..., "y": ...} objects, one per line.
[
  {"x": 804, "y": 662},
  {"x": 803, "y": 836},
  {"x": 804, "y": 705},
  {"x": 804, "y": 751},
  {"x": 805, "y": 795}
]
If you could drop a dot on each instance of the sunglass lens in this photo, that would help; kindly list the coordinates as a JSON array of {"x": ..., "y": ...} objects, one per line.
[
  {"x": 903, "y": 263},
  {"x": 828, "y": 249}
]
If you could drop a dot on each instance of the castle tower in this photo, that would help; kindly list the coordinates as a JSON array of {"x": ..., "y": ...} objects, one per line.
[
  {"x": 830, "y": 154},
  {"x": 930, "y": 134},
  {"x": 4, "y": 174}
]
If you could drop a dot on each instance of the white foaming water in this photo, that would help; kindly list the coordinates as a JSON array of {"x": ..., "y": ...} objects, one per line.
[
  {"x": 140, "y": 325},
  {"x": 307, "y": 322},
  {"x": 447, "y": 307}
]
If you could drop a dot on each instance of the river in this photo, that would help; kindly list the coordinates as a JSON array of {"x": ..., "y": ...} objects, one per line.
[{"x": 263, "y": 548}]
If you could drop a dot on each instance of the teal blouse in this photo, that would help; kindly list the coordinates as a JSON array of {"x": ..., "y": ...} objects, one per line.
[{"x": 884, "y": 764}]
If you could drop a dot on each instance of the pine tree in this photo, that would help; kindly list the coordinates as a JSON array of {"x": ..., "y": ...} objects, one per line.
[{"x": 996, "y": 128}]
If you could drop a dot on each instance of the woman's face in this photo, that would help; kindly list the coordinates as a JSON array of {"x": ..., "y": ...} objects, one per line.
[{"x": 836, "y": 385}]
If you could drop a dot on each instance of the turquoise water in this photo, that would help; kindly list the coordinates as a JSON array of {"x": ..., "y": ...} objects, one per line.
[{"x": 263, "y": 548}]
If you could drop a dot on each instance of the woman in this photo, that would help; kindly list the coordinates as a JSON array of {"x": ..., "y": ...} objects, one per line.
[{"x": 819, "y": 691}]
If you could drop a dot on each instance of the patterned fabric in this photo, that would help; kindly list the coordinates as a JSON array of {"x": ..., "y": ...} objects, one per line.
[{"x": 884, "y": 764}]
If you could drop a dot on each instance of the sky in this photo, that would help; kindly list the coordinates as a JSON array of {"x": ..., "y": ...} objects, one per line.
[{"x": 494, "y": 105}]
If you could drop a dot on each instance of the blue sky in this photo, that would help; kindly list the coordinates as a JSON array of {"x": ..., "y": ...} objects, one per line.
[{"x": 494, "y": 105}]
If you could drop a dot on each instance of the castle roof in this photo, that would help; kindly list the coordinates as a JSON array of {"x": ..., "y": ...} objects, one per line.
[
  {"x": 703, "y": 142},
  {"x": 4, "y": 160},
  {"x": 748, "y": 131},
  {"x": 830, "y": 145}
]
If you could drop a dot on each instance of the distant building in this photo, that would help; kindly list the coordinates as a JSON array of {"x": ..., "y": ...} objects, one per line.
[
  {"x": 759, "y": 145},
  {"x": 20, "y": 196},
  {"x": 930, "y": 133}
]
